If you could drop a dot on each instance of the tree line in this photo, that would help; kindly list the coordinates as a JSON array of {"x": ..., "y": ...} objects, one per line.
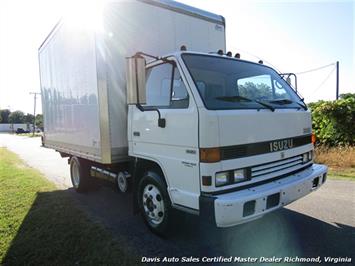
[{"x": 19, "y": 117}]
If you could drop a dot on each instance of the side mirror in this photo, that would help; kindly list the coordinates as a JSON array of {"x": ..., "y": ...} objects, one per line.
[
  {"x": 135, "y": 76},
  {"x": 289, "y": 79}
]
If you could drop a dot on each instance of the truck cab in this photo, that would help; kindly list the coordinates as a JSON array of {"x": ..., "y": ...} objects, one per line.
[{"x": 236, "y": 140}]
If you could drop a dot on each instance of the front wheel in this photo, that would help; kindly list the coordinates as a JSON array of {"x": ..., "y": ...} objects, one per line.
[{"x": 154, "y": 203}]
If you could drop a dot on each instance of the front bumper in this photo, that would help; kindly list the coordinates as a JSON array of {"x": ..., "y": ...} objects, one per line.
[{"x": 245, "y": 205}]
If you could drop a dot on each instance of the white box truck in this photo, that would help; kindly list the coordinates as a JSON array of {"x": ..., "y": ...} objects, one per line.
[{"x": 145, "y": 100}]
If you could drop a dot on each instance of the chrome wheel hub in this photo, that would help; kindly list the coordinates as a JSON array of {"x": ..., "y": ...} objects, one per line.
[
  {"x": 153, "y": 204},
  {"x": 122, "y": 182}
]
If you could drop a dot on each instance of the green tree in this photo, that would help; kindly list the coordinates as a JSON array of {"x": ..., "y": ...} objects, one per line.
[
  {"x": 4, "y": 113},
  {"x": 347, "y": 95},
  {"x": 28, "y": 119},
  {"x": 17, "y": 117},
  {"x": 39, "y": 121}
]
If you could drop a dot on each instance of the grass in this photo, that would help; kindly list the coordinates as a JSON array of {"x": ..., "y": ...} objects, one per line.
[
  {"x": 40, "y": 225},
  {"x": 340, "y": 160}
]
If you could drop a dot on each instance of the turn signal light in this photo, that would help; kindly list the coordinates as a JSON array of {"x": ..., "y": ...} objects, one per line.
[
  {"x": 313, "y": 138},
  {"x": 210, "y": 155}
]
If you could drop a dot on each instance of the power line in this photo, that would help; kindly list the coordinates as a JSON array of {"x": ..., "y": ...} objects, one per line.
[
  {"x": 299, "y": 73},
  {"x": 304, "y": 72},
  {"x": 315, "y": 69},
  {"x": 324, "y": 80}
]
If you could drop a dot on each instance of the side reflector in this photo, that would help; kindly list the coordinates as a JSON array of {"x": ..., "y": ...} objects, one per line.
[
  {"x": 313, "y": 138},
  {"x": 210, "y": 155}
]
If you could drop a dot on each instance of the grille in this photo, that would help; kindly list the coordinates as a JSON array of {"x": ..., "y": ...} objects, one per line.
[
  {"x": 234, "y": 152},
  {"x": 240, "y": 151},
  {"x": 278, "y": 167}
]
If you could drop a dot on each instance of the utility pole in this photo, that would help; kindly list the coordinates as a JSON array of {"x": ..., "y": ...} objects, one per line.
[
  {"x": 34, "y": 110},
  {"x": 337, "y": 81}
]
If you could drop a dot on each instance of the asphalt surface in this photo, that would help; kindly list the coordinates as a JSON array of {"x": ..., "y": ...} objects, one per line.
[{"x": 321, "y": 224}]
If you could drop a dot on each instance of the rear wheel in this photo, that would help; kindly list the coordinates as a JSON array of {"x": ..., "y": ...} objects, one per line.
[
  {"x": 80, "y": 174},
  {"x": 122, "y": 182},
  {"x": 154, "y": 203}
]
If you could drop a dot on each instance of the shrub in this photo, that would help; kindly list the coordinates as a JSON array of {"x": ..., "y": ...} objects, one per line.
[{"x": 334, "y": 121}]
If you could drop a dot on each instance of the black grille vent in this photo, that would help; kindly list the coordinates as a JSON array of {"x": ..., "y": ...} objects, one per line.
[
  {"x": 239, "y": 151},
  {"x": 234, "y": 152}
]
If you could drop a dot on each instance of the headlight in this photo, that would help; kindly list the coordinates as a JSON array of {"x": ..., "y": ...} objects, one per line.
[
  {"x": 239, "y": 175},
  {"x": 231, "y": 177},
  {"x": 222, "y": 179}
]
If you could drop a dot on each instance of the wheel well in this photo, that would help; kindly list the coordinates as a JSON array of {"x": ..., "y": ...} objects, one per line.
[{"x": 143, "y": 165}]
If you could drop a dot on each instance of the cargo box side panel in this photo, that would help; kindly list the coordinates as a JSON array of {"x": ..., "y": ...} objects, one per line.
[
  {"x": 133, "y": 26},
  {"x": 69, "y": 92}
]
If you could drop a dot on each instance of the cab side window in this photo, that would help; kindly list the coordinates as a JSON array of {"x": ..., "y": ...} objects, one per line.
[
  {"x": 165, "y": 87},
  {"x": 179, "y": 95}
]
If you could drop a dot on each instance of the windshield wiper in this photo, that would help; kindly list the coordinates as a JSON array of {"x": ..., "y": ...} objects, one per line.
[
  {"x": 233, "y": 98},
  {"x": 241, "y": 98},
  {"x": 281, "y": 101},
  {"x": 288, "y": 101},
  {"x": 265, "y": 104}
]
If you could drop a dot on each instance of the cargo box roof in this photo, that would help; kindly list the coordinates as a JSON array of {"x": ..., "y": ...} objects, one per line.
[
  {"x": 188, "y": 10},
  {"x": 170, "y": 5}
]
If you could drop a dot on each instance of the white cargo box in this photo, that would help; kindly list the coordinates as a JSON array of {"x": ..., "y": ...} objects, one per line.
[{"x": 82, "y": 70}]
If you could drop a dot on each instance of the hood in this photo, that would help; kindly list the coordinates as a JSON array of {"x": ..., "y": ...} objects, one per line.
[{"x": 250, "y": 126}]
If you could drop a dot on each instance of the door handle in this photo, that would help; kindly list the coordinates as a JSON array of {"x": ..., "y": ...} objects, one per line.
[{"x": 136, "y": 133}]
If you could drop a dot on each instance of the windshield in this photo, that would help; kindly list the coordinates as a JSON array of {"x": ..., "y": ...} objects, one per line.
[{"x": 226, "y": 83}]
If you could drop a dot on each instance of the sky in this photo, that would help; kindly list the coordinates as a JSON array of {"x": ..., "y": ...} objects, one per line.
[{"x": 292, "y": 36}]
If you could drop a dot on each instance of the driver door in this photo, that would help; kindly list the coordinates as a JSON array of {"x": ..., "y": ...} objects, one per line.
[{"x": 175, "y": 146}]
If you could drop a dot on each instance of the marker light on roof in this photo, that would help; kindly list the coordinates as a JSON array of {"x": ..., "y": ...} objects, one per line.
[{"x": 183, "y": 48}]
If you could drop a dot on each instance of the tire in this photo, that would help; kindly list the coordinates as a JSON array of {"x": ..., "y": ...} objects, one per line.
[
  {"x": 123, "y": 184},
  {"x": 154, "y": 203},
  {"x": 80, "y": 174}
]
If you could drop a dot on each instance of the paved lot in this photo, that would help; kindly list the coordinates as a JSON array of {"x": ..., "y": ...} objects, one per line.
[
  {"x": 47, "y": 161},
  {"x": 321, "y": 224}
]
